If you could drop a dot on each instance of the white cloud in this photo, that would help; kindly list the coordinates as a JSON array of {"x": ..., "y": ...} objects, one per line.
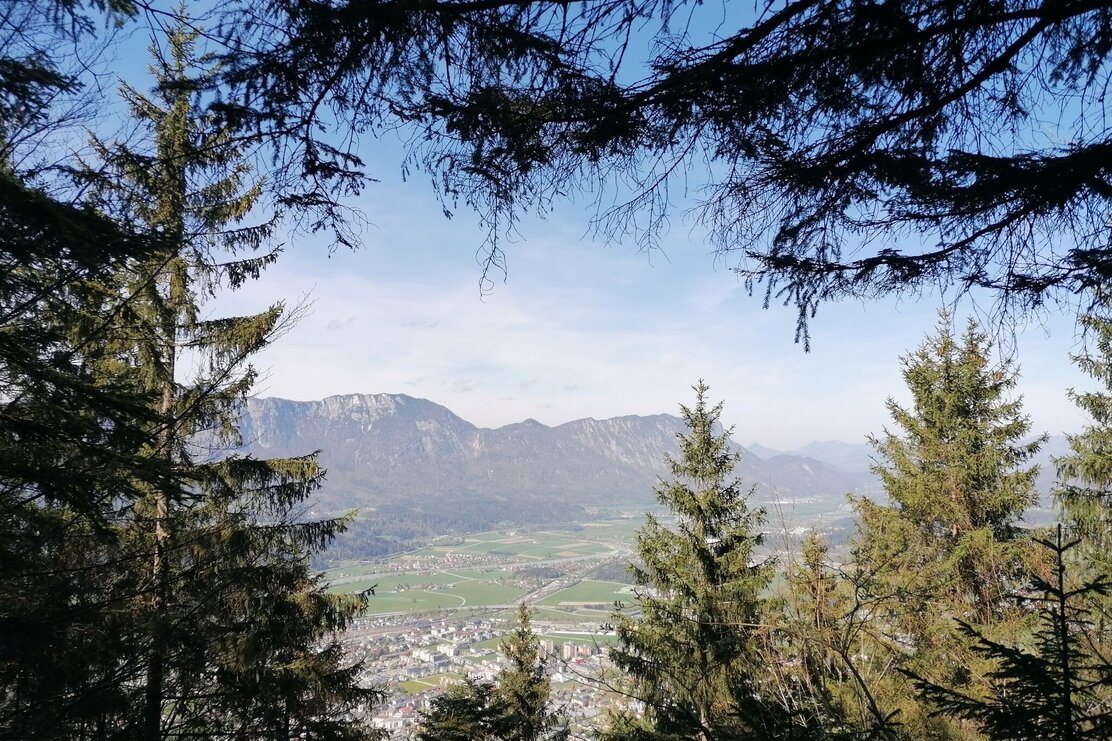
[{"x": 585, "y": 330}]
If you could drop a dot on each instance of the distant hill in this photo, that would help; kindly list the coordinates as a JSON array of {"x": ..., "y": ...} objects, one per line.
[
  {"x": 417, "y": 470},
  {"x": 846, "y": 456},
  {"x": 385, "y": 447},
  {"x": 763, "y": 451},
  {"x": 857, "y": 457},
  {"x": 418, "y": 465}
]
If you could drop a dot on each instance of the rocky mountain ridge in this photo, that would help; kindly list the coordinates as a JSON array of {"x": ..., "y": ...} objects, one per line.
[{"x": 394, "y": 449}]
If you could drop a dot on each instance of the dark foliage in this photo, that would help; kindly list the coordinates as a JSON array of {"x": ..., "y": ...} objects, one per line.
[
  {"x": 850, "y": 148},
  {"x": 70, "y": 459},
  {"x": 460, "y": 713},
  {"x": 151, "y": 588},
  {"x": 1056, "y": 689}
]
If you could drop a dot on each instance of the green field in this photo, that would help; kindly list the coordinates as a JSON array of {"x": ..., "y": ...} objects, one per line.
[
  {"x": 353, "y": 570},
  {"x": 425, "y": 582},
  {"x": 480, "y": 574},
  {"x": 545, "y": 545},
  {"x": 489, "y": 535},
  {"x": 613, "y": 530},
  {"x": 590, "y": 593},
  {"x": 389, "y": 582},
  {"x": 412, "y": 602},
  {"x": 481, "y": 594},
  {"x": 431, "y": 591},
  {"x": 436, "y": 681},
  {"x": 353, "y": 586},
  {"x": 393, "y": 581},
  {"x": 487, "y": 593}
]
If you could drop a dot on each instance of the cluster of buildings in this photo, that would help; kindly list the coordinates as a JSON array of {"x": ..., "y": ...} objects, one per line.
[
  {"x": 450, "y": 560},
  {"x": 569, "y": 651},
  {"x": 414, "y": 659}
]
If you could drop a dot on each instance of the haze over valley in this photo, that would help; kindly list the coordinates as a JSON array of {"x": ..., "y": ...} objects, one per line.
[{"x": 417, "y": 471}]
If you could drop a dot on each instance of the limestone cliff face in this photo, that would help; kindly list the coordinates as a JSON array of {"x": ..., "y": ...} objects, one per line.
[{"x": 383, "y": 448}]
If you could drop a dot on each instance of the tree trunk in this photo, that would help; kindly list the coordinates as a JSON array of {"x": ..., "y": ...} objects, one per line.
[{"x": 156, "y": 669}]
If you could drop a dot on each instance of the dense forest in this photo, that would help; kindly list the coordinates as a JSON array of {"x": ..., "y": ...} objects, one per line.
[{"x": 156, "y": 584}]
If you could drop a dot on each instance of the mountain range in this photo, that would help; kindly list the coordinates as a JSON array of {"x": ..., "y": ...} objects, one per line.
[
  {"x": 415, "y": 468},
  {"x": 381, "y": 448}
]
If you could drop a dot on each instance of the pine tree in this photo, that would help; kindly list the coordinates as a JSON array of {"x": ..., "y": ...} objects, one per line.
[
  {"x": 948, "y": 543},
  {"x": 690, "y": 650},
  {"x": 1059, "y": 690},
  {"x": 238, "y": 633},
  {"x": 515, "y": 708},
  {"x": 521, "y": 700},
  {"x": 1085, "y": 476}
]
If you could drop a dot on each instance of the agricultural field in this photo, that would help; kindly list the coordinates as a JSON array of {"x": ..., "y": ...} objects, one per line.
[
  {"x": 622, "y": 530},
  {"x": 495, "y": 570},
  {"x": 371, "y": 575},
  {"x": 417, "y": 686},
  {"x": 590, "y": 594},
  {"x": 532, "y": 546},
  {"x": 438, "y": 591}
]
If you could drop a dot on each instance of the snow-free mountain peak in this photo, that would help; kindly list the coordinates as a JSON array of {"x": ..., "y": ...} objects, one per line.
[{"x": 394, "y": 447}]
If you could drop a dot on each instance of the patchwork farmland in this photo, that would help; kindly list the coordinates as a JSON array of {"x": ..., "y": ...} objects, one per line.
[{"x": 555, "y": 571}]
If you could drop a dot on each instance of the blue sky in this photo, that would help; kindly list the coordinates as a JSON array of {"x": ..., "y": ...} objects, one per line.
[{"x": 584, "y": 329}]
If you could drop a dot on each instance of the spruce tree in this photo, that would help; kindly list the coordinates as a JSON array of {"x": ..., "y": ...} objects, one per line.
[
  {"x": 460, "y": 713},
  {"x": 948, "y": 544},
  {"x": 70, "y": 458},
  {"x": 238, "y": 633},
  {"x": 521, "y": 700},
  {"x": 690, "y": 650},
  {"x": 517, "y": 707},
  {"x": 1085, "y": 489},
  {"x": 1055, "y": 689},
  {"x": 957, "y": 471}
]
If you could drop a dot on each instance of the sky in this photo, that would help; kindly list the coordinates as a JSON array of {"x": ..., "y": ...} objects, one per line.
[{"x": 583, "y": 329}]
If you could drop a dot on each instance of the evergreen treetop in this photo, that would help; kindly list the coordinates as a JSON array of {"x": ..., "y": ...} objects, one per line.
[
  {"x": 948, "y": 545},
  {"x": 522, "y": 696},
  {"x": 1085, "y": 475},
  {"x": 956, "y": 464},
  {"x": 956, "y": 472},
  {"x": 690, "y": 647}
]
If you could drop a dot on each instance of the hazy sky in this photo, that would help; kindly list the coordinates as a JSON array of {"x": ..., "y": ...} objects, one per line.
[{"x": 583, "y": 329}]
